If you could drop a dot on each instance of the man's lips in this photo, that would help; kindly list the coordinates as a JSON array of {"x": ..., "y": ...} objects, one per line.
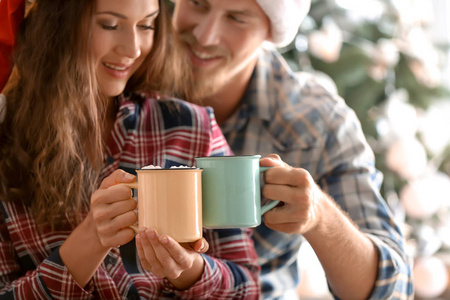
[
  {"x": 201, "y": 58},
  {"x": 204, "y": 55}
]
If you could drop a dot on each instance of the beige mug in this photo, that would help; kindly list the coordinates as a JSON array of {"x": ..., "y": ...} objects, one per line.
[{"x": 170, "y": 201}]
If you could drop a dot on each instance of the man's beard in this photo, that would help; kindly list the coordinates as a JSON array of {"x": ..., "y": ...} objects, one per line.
[{"x": 205, "y": 83}]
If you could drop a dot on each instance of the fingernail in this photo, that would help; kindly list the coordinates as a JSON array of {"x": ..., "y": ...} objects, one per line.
[
  {"x": 129, "y": 176},
  {"x": 202, "y": 247},
  {"x": 164, "y": 239},
  {"x": 151, "y": 233}
]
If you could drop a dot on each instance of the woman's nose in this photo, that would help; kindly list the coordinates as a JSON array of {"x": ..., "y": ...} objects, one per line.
[{"x": 129, "y": 45}]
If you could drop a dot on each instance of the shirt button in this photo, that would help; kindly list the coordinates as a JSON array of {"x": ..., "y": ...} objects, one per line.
[
  {"x": 110, "y": 160},
  {"x": 126, "y": 111}
]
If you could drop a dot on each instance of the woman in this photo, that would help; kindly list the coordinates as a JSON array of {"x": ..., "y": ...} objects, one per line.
[{"x": 75, "y": 113}]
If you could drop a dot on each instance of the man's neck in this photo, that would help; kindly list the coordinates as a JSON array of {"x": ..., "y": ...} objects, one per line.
[{"x": 228, "y": 98}]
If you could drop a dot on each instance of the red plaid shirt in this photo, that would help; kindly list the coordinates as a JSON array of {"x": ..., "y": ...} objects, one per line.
[{"x": 147, "y": 131}]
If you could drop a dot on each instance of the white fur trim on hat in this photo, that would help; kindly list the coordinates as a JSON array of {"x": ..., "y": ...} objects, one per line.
[{"x": 285, "y": 18}]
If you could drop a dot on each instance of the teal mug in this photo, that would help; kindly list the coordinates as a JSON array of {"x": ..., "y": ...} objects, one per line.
[{"x": 231, "y": 191}]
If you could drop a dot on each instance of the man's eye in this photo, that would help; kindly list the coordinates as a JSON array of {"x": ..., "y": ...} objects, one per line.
[
  {"x": 197, "y": 3},
  {"x": 236, "y": 19}
]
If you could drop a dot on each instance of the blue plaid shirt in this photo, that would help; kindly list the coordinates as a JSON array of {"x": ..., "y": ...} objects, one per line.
[{"x": 294, "y": 116}]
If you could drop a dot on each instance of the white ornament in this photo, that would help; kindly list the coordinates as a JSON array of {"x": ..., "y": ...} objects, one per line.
[
  {"x": 423, "y": 197},
  {"x": 433, "y": 127},
  {"x": 407, "y": 157},
  {"x": 326, "y": 43},
  {"x": 402, "y": 116},
  {"x": 429, "y": 241},
  {"x": 444, "y": 233},
  {"x": 430, "y": 277},
  {"x": 386, "y": 53},
  {"x": 361, "y": 11}
]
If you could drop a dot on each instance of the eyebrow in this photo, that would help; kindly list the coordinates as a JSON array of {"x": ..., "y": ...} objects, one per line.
[
  {"x": 123, "y": 16},
  {"x": 246, "y": 13}
]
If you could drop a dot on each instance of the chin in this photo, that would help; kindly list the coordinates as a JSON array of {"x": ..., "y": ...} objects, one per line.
[
  {"x": 209, "y": 84},
  {"x": 113, "y": 92}
]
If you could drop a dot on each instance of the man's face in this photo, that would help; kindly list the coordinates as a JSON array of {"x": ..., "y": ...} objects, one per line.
[{"x": 221, "y": 38}]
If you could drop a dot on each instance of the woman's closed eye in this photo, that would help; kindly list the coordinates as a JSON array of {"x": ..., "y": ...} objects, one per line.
[
  {"x": 150, "y": 26},
  {"x": 108, "y": 27}
]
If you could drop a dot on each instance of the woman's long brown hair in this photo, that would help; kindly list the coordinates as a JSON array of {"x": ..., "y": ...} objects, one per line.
[{"x": 51, "y": 149}]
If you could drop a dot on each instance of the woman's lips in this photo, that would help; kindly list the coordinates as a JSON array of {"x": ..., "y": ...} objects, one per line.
[{"x": 117, "y": 70}]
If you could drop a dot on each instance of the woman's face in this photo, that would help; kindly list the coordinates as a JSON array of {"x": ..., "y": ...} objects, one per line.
[{"x": 122, "y": 37}]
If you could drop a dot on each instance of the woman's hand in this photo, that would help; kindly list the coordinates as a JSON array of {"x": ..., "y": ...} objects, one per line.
[
  {"x": 106, "y": 226},
  {"x": 199, "y": 246},
  {"x": 112, "y": 210},
  {"x": 165, "y": 257}
]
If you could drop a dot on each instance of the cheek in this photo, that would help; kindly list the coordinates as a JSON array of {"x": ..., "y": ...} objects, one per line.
[
  {"x": 99, "y": 48},
  {"x": 146, "y": 44},
  {"x": 238, "y": 47},
  {"x": 245, "y": 44},
  {"x": 147, "y": 47},
  {"x": 182, "y": 17},
  {"x": 181, "y": 24}
]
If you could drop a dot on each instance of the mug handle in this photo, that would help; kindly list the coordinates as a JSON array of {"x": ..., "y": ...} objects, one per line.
[
  {"x": 272, "y": 203},
  {"x": 132, "y": 185}
]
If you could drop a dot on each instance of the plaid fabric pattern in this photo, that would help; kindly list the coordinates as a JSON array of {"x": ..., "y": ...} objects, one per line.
[
  {"x": 147, "y": 131},
  {"x": 294, "y": 116}
]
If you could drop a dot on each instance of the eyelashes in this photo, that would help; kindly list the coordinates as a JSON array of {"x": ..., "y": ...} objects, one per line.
[{"x": 115, "y": 27}]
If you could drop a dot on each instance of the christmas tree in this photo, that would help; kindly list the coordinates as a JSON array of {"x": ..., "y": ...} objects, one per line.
[{"x": 380, "y": 57}]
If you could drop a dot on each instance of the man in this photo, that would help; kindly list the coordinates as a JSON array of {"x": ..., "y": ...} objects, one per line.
[{"x": 330, "y": 194}]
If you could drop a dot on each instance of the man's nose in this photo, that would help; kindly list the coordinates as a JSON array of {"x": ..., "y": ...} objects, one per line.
[{"x": 207, "y": 32}]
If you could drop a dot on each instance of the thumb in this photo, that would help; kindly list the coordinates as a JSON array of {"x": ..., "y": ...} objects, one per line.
[
  {"x": 118, "y": 176},
  {"x": 200, "y": 246},
  {"x": 271, "y": 160}
]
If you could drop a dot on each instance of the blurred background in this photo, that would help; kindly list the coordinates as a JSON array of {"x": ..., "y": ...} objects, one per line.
[{"x": 389, "y": 60}]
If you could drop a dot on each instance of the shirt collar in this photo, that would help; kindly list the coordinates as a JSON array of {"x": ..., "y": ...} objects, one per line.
[
  {"x": 260, "y": 92},
  {"x": 260, "y": 95}
]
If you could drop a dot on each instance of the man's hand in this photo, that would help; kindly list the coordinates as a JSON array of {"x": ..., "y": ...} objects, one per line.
[{"x": 300, "y": 196}]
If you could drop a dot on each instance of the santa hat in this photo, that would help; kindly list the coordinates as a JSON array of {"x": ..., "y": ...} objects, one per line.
[{"x": 285, "y": 18}]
